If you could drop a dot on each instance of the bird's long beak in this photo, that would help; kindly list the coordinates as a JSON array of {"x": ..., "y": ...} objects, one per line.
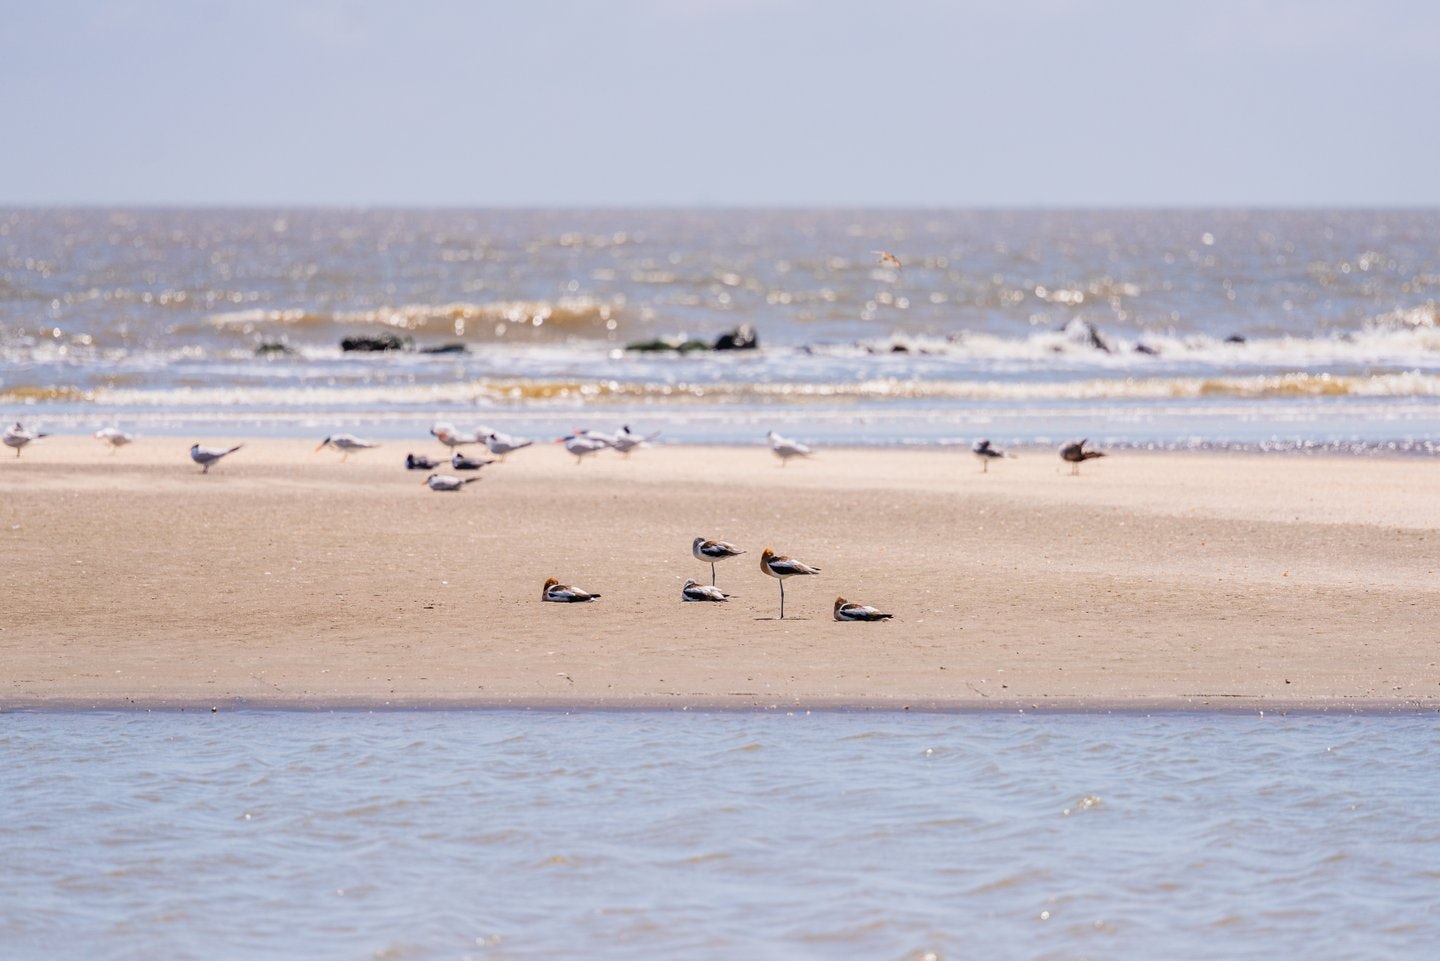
[
  {"x": 319, "y": 447},
  {"x": 424, "y": 482}
]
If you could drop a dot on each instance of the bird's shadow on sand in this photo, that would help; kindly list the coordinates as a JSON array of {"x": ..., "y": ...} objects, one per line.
[{"x": 782, "y": 618}]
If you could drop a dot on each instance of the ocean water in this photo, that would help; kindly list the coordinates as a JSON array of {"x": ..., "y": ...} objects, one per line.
[
  {"x": 1213, "y": 328},
  {"x": 509, "y": 835}
]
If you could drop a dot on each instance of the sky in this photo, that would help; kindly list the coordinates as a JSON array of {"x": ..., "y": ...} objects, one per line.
[{"x": 665, "y": 103}]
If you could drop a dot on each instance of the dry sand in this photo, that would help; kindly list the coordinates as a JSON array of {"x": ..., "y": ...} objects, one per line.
[{"x": 287, "y": 578}]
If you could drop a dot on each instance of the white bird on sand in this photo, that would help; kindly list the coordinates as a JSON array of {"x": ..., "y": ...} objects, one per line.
[
  {"x": 847, "y": 611},
  {"x": 1075, "y": 454},
  {"x": 452, "y": 438},
  {"x": 564, "y": 593},
  {"x": 448, "y": 482},
  {"x": 785, "y": 448},
  {"x": 626, "y": 440},
  {"x": 701, "y": 592},
  {"x": 461, "y": 462},
  {"x": 114, "y": 437},
  {"x": 421, "y": 462},
  {"x": 346, "y": 444},
  {"x": 780, "y": 567},
  {"x": 984, "y": 453},
  {"x": 582, "y": 445},
  {"x": 501, "y": 444},
  {"x": 17, "y": 436},
  {"x": 206, "y": 457},
  {"x": 712, "y": 551}
]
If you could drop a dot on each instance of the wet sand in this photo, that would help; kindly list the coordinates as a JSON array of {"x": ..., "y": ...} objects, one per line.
[{"x": 286, "y": 578}]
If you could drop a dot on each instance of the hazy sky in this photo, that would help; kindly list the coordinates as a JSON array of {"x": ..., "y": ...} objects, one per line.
[{"x": 720, "y": 102}]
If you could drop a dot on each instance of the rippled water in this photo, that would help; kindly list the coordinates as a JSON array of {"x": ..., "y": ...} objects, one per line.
[
  {"x": 494, "y": 835},
  {"x": 1221, "y": 327}
]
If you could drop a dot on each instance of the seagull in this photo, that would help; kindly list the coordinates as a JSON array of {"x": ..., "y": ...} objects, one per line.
[
  {"x": 448, "y": 482},
  {"x": 115, "y": 437},
  {"x": 627, "y": 440},
  {"x": 780, "y": 567},
  {"x": 985, "y": 454},
  {"x": 1075, "y": 453},
  {"x": 582, "y": 445},
  {"x": 701, "y": 592},
  {"x": 452, "y": 438},
  {"x": 17, "y": 437},
  {"x": 412, "y": 462},
  {"x": 564, "y": 593},
  {"x": 712, "y": 551},
  {"x": 847, "y": 611},
  {"x": 502, "y": 444},
  {"x": 345, "y": 444},
  {"x": 461, "y": 462},
  {"x": 208, "y": 456},
  {"x": 888, "y": 259},
  {"x": 785, "y": 448}
]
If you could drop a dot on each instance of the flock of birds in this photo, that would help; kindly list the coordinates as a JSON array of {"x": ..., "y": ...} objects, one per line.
[{"x": 581, "y": 444}]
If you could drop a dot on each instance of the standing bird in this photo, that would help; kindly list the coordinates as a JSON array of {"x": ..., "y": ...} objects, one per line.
[
  {"x": 626, "y": 440},
  {"x": 564, "y": 593},
  {"x": 984, "y": 453},
  {"x": 785, "y": 448},
  {"x": 207, "y": 456},
  {"x": 452, "y": 438},
  {"x": 446, "y": 483},
  {"x": 1075, "y": 454},
  {"x": 847, "y": 611},
  {"x": 502, "y": 444},
  {"x": 346, "y": 444},
  {"x": 114, "y": 437},
  {"x": 582, "y": 445},
  {"x": 421, "y": 462},
  {"x": 701, "y": 592},
  {"x": 712, "y": 551},
  {"x": 780, "y": 567},
  {"x": 17, "y": 437},
  {"x": 461, "y": 462}
]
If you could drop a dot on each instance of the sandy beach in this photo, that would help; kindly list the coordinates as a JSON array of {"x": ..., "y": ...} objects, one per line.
[{"x": 287, "y": 578}]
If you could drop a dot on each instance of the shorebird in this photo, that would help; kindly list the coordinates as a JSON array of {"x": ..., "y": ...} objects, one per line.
[
  {"x": 1075, "y": 454},
  {"x": 712, "y": 551},
  {"x": 847, "y": 611},
  {"x": 208, "y": 456},
  {"x": 564, "y": 593},
  {"x": 413, "y": 462},
  {"x": 626, "y": 440},
  {"x": 502, "y": 444},
  {"x": 888, "y": 259},
  {"x": 345, "y": 444},
  {"x": 452, "y": 438},
  {"x": 114, "y": 437},
  {"x": 447, "y": 482},
  {"x": 461, "y": 462},
  {"x": 17, "y": 436},
  {"x": 701, "y": 592},
  {"x": 785, "y": 448},
  {"x": 780, "y": 567},
  {"x": 582, "y": 445},
  {"x": 985, "y": 454}
]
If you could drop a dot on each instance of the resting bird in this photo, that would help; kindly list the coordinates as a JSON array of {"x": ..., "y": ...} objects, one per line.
[
  {"x": 712, "y": 551},
  {"x": 502, "y": 444},
  {"x": 626, "y": 440},
  {"x": 701, "y": 592},
  {"x": 564, "y": 593},
  {"x": 847, "y": 611},
  {"x": 461, "y": 462},
  {"x": 421, "y": 462},
  {"x": 780, "y": 567},
  {"x": 1075, "y": 453},
  {"x": 446, "y": 483}
]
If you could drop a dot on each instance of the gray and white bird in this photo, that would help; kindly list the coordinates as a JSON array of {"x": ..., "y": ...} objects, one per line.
[
  {"x": 849, "y": 611},
  {"x": 460, "y": 462},
  {"x": 785, "y": 448},
  {"x": 713, "y": 551},
  {"x": 501, "y": 444},
  {"x": 346, "y": 444},
  {"x": 1075, "y": 454},
  {"x": 207, "y": 457},
  {"x": 626, "y": 440},
  {"x": 693, "y": 591},
  {"x": 421, "y": 462},
  {"x": 114, "y": 437},
  {"x": 564, "y": 593},
  {"x": 582, "y": 445},
  {"x": 780, "y": 567},
  {"x": 446, "y": 483},
  {"x": 452, "y": 438},
  {"x": 984, "y": 453},
  {"x": 17, "y": 436}
]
